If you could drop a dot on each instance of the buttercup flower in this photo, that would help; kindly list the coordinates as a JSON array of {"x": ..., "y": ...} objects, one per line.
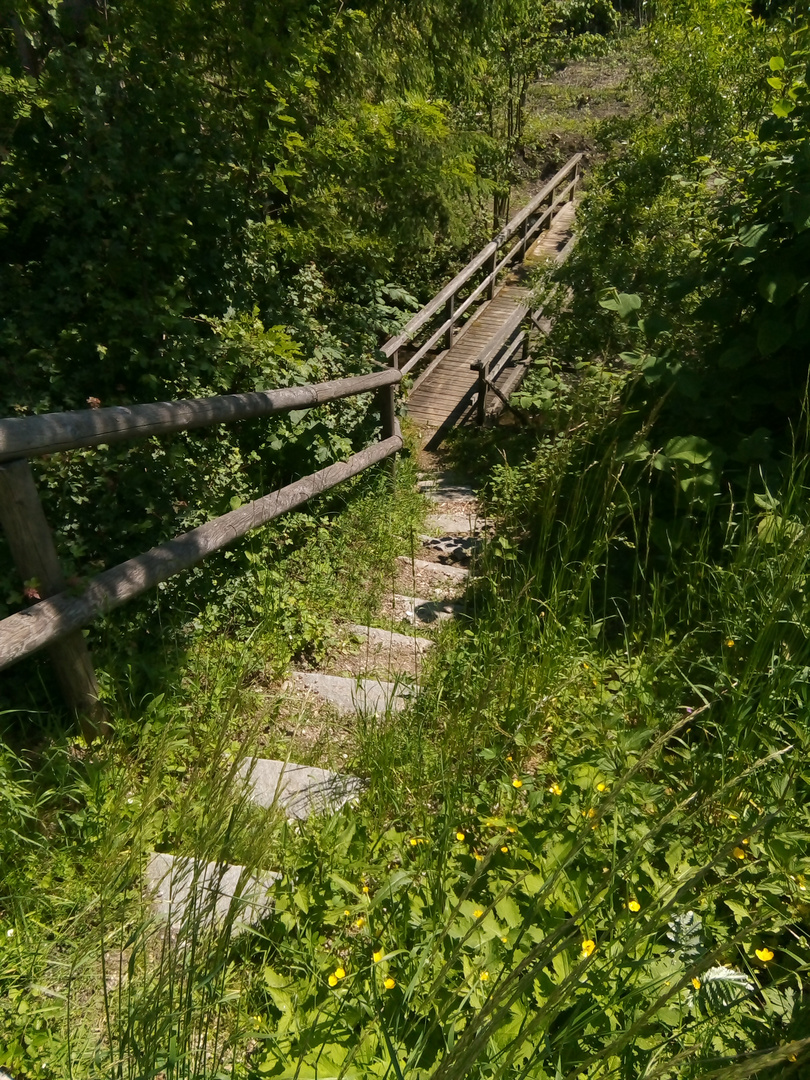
[
  {"x": 696, "y": 983},
  {"x": 340, "y": 973},
  {"x": 478, "y": 913},
  {"x": 588, "y": 946},
  {"x": 459, "y": 836},
  {"x": 601, "y": 787},
  {"x": 634, "y": 905},
  {"x": 517, "y": 782},
  {"x": 413, "y": 841},
  {"x": 360, "y": 922},
  {"x": 730, "y": 643},
  {"x": 738, "y": 853},
  {"x": 504, "y": 849},
  {"x": 764, "y": 954},
  {"x": 555, "y": 789},
  {"x": 484, "y": 976},
  {"x": 389, "y": 983},
  {"x": 333, "y": 980},
  {"x": 377, "y": 955}
]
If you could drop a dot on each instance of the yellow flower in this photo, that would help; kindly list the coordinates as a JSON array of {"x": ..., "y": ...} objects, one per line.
[
  {"x": 508, "y": 757},
  {"x": 340, "y": 973},
  {"x": 730, "y": 643},
  {"x": 484, "y": 976},
  {"x": 634, "y": 905},
  {"x": 459, "y": 835},
  {"x": 389, "y": 983},
  {"x": 696, "y": 983},
  {"x": 586, "y": 666},
  {"x": 504, "y": 849},
  {"x": 738, "y": 853},
  {"x": 413, "y": 841},
  {"x": 377, "y": 955},
  {"x": 601, "y": 786},
  {"x": 555, "y": 789},
  {"x": 478, "y": 858},
  {"x": 478, "y": 913},
  {"x": 365, "y": 889},
  {"x": 764, "y": 954},
  {"x": 333, "y": 980},
  {"x": 746, "y": 840},
  {"x": 517, "y": 782},
  {"x": 347, "y": 912},
  {"x": 588, "y": 946},
  {"x": 511, "y": 829},
  {"x": 503, "y": 939},
  {"x": 359, "y": 923}
]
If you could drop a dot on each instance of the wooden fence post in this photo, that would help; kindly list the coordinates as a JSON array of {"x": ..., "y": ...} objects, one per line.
[
  {"x": 387, "y": 404},
  {"x": 34, "y": 555},
  {"x": 451, "y": 308}
]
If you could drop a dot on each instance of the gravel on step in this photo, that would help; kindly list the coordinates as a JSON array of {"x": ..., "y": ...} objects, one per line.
[
  {"x": 192, "y": 894},
  {"x": 300, "y": 790},
  {"x": 354, "y": 695}
]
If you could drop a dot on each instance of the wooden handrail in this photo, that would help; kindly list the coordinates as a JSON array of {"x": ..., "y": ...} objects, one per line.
[
  {"x": 412, "y": 327},
  {"x": 55, "y": 622},
  {"x": 30, "y": 436},
  {"x": 61, "y": 615}
]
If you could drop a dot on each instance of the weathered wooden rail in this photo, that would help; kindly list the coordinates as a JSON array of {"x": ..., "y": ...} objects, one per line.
[
  {"x": 55, "y": 621},
  {"x": 457, "y": 298}
]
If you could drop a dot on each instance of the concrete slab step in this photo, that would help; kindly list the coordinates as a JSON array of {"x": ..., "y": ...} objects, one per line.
[
  {"x": 380, "y": 641},
  {"x": 439, "y": 573},
  {"x": 455, "y": 549},
  {"x": 192, "y": 894},
  {"x": 443, "y": 491},
  {"x": 300, "y": 790},
  {"x": 455, "y": 524},
  {"x": 354, "y": 695},
  {"x": 422, "y": 612}
]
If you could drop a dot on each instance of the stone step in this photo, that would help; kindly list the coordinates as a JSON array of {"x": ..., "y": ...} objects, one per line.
[
  {"x": 421, "y": 576},
  {"x": 192, "y": 894},
  {"x": 354, "y": 695},
  {"x": 456, "y": 549},
  {"x": 421, "y": 612},
  {"x": 455, "y": 524},
  {"x": 440, "y": 490},
  {"x": 300, "y": 790}
]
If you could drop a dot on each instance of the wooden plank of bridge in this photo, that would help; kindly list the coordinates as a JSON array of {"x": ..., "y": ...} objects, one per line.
[{"x": 442, "y": 399}]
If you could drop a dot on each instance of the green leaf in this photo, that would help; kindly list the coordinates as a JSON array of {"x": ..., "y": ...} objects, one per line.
[
  {"x": 752, "y": 234},
  {"x": 777, "y": 287},
  {"x": 776, "y": 63},
  {"x": 689, "y": 448},
  {"x": 623, "y": 303},
  {"x": 783, "y": 107},
  {"x": 773, "y": 333}
]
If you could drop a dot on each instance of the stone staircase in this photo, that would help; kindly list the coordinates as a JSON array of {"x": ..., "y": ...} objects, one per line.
[{"x": 379, "y": 675}]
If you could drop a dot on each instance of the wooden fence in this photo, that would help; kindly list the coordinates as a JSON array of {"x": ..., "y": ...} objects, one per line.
[
  {"x": 457, "y": 298},
  {"x": 55, "y": 621}
]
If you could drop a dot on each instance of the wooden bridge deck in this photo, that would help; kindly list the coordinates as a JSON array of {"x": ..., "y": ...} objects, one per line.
[{"x": 444, "y": 396}]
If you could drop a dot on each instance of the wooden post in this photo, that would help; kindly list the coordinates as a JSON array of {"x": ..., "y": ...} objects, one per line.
[
  {"x": 34, "y": 555},
  {"x": 481, "y": 410},
  {"x": 451, "y": 309},
  {"x": 493, "y": 262},
  {"x": 387, "y": 404}
]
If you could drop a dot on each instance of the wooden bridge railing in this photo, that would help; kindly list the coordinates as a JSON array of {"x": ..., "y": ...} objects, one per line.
[
  {"x": 449, "y": 306},
  {"x": 55, "y": 621}
]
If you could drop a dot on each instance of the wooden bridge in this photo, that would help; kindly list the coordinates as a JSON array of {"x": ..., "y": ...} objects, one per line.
[
  {"x": 469, "y": 364},
  {"x": 465, "y": 367}
]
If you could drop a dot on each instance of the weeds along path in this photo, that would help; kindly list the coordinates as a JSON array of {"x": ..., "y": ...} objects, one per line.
[{"x": 378, "y": 672}]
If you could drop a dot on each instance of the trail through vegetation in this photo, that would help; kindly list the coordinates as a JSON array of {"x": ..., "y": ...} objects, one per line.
[{"x": 583, "y": 849}]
